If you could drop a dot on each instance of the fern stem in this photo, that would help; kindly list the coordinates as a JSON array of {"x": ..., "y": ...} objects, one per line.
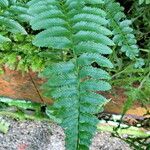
[
  {"x": 145, "y": 50},
  {"x": 144, "y": 80},
  {"x": 127, "y": 68}
]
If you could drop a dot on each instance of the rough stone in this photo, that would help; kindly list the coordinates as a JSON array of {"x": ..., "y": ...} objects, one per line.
[{"x": 30, "y": 135}]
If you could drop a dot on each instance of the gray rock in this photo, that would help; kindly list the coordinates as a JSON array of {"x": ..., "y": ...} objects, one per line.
[{"x": 31, "y": 135}]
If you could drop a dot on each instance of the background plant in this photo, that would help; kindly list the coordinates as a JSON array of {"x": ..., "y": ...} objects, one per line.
[
  {"x": 16, "y": 49},
  {"x": 135, "y": 80}
]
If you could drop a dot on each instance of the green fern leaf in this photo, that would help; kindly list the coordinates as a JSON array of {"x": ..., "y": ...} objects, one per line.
[
  {"x": 4, "y": 3},
  {"x": 89, "y": 58},
  {"x": 4, "y": 39},
  {"x": 89, "y": 18},
  {"x": 96, "y": 99},
  {"x": 96, "y": 73},
  {"x": 63, "y": 79},
  {"x": 59, "y": 68},
  {"x": 84, "y": 47},
  {"x": 123, "y": 33},
  {"x": 91, "y": 27},
  {"x": 94, "y": 85},
  {"x": 12, "y": 25},
  {"x": 12, "y": 14},
  {"x": 93, "y": 36},
  {"x": 81, "y": 27},
  {"x": 94, "y": 1},
  {"x": 18, "y": 9},
  {"x": 12, "y": 2}
]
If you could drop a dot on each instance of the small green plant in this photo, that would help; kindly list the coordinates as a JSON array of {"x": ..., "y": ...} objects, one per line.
[
  {"x": 16, "y": 49},
  {"x": 11, "y": 16},
  {"x": 135, "y": 77}
]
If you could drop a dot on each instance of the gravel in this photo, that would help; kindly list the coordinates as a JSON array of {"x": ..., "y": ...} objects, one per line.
[{"x": 30, "y": 135}]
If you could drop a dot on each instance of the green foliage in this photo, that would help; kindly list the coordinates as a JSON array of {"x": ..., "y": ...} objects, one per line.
[
  {"x": 22, "y": 109},
  {"x": 11, "y": 15},
  {"x": 4, "y": 126},
  {"x": 141, "y": 24},
  {"x": 22, "y": 104},
  {"x": 75, "y": 27},
  {"x": 140, "y": 94},
  {"x": 128, "y": 75},
  {"x": 73, "y": 39},
  {"x": 123, "y": 33},
  {"x": 144, "y": 1},
  {"x": 16, "y": 49},
  {"x": 82, "y": 30},
  {"x": 21, "y": 54},
  {"x": 136, "y": 81}
]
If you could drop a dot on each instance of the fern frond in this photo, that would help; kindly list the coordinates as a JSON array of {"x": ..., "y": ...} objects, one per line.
[
  {"x": 12, "y": 25},
  {"x": 11, "y": 16},
  {"x": 123, "y": 33},
  {"x": 81, "y": 27},
  {"x": 19, "y": 11},
  {"x": 4, "y": 3},
  {"x": 4, "y": 39},
  {"x": 59, "y": 68}
]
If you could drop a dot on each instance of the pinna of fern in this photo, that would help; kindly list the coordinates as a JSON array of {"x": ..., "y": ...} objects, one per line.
[{"x": 80, "y": 27}]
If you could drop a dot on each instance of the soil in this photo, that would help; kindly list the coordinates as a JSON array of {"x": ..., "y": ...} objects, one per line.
[{"x": 30, "y": 135}]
